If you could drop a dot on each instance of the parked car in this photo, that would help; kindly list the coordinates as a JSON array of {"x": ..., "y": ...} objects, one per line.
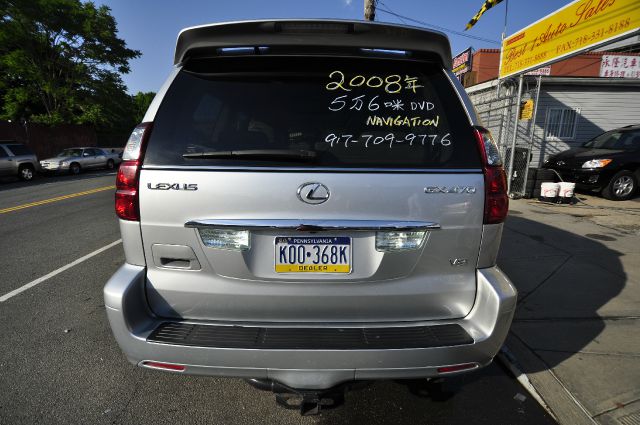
[
  {"x": 306, "y": 217},
  {"x": 609, "y": 163},
  {"x": 114, "y": 153},
  {"x": 74, "y": 160},
  {"x": 16, "y": 159}
]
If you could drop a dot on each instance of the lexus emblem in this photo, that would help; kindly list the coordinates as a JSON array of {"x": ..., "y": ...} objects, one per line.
[
  {"x": 560, "y": 163},
  {"x": 313, "y": 193}
]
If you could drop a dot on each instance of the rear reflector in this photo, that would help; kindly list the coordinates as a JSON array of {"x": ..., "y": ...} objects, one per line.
[
  {"x": 127, "y": 207},
  {"x": 457, "y": 367},
  {"x": 164, "y": 366},
  {"x": 496, "y": 199}
]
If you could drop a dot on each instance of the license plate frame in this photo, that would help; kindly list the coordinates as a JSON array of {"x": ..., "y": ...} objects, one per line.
[{"x": 343, "y": 244}]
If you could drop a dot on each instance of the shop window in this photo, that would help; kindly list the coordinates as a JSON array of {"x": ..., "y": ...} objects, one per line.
[{"x": 561, "y": 123}]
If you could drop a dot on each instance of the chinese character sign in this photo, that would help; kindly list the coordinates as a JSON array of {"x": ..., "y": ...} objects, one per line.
[{"x": 618, "y": 66}]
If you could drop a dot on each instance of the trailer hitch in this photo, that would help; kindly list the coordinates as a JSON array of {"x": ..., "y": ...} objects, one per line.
[{"x": 308, "y": 402}]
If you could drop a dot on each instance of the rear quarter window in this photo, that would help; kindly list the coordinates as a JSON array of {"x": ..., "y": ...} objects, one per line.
[
  {"x": 345, "y": 113},
  {"x": 18, "y": 150}
]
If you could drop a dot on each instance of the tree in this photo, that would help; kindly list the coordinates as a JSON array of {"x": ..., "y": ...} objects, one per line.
[
  {"x": 141, "y": 101},
  {"x": 61, "y": 61}
]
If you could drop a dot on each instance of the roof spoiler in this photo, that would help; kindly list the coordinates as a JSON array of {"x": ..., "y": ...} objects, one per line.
[{"x": 307, "y": 32}]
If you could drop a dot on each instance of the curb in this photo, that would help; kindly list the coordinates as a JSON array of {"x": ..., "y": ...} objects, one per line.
[
  {"x": 543, "y": 384},
  {"x": 509, "y": 361}
]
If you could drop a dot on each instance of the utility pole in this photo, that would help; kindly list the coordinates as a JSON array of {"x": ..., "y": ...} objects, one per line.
[{"x": 370, "y": 10}]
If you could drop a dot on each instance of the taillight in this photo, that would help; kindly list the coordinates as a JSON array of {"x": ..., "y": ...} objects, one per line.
[
  {"x": 496, "y": 199},
  {"x": 127, "y": 205},
  {"x": 127, "y": 191}
]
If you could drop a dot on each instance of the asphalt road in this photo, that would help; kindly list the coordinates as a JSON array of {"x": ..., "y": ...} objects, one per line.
[{"x": 60, "y": 364}]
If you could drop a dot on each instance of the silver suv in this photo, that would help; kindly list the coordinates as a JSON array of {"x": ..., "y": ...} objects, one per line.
[
  {"x": 308, "y": 204},
  {"x": 17, "y": 160}
]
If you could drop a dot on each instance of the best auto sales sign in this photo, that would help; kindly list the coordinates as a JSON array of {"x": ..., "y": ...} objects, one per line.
[{"x": 575, "y": 28}]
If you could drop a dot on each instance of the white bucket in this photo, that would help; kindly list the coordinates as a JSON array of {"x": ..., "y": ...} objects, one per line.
[
  {"x": 566, "y": 192},
  {"x": 549, "y": 190},
  {"x": 567, "y": 189}
]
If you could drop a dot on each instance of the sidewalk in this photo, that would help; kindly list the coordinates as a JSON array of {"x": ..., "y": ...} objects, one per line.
[{"x": 576, "y": 332}]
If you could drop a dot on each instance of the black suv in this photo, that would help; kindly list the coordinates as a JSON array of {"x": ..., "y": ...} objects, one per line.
[{"x": 609, "y": 163}]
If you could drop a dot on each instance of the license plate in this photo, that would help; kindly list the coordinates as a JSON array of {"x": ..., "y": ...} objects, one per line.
[{"x": 313, "y": 254}]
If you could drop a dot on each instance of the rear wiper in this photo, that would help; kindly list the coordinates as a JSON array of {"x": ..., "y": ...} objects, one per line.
[{"x": 266, "y": 154}]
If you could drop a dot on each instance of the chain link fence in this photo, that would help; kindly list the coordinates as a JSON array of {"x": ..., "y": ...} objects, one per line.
[{"x": 499, "y": 110}]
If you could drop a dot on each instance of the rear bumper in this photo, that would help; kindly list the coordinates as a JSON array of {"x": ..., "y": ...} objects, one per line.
[
  {"x": 487, "y": 323},
  {"x": 52, "y": 169}
]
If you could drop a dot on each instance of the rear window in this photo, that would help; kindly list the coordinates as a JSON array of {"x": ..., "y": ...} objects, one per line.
[
  {"x": 312, "y": 112},
  {"x": 19, "y": 150}
]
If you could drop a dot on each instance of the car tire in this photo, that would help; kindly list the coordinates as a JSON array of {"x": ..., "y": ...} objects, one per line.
[
  {"x": 74, "y": 168},
  {"x": 532, "y": 174},
  {"x": 536, "y": 193},
  {"x": 26, "y": 172},
  {"x": 546, "y": 175},
  {"x": 622, "y": 186},
  {"x": 529, "y": 187},
  {"x": 111, "y": 165}
]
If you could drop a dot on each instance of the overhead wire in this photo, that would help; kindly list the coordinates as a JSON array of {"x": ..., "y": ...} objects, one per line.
[{"x": 403, "y": 18}]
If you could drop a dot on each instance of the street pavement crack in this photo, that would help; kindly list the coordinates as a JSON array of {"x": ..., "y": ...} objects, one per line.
[
  {"x": 621, "y": 405},
  {"x": 136, "y": 386},
  {"x": 597, "y": 353},
  {"x": 575, "y": 319},
  {"x": 553, "y": 273},
  {"x": 537, "y": 240}
]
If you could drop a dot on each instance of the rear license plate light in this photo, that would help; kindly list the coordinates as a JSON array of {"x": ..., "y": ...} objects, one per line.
[
  {"x": 237, "y": 240},
  {"x": 399, "y": 241}
]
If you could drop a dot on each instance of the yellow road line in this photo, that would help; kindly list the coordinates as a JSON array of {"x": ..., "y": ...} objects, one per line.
[{"x": 56, "y": 199}]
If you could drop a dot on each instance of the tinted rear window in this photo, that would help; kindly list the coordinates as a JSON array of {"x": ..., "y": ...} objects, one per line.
[
  {"x": 19, "y": 150},
  {"x": 312, "y": 112}
]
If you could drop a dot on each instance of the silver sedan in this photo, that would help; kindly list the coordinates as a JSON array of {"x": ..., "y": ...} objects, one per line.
[{"x": 74, "y": 160}]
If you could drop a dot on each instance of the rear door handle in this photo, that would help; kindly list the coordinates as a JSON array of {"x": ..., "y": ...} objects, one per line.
[
  {"x": 175, "y": 257},
  {"x": 176, "y": 263}
]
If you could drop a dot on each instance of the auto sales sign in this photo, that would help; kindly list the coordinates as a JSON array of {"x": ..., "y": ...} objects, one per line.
[
  {"x": 462, "y": 62},
  {"x": 575, "y": 28}
]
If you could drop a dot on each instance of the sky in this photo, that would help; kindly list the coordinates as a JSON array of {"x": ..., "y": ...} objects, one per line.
[{"x": 152, "y": 26}]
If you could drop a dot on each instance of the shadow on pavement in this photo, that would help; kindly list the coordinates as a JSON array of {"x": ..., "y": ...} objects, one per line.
[
  {"x": 482, "y": 397},
  {"x": 566, "y": 283}
]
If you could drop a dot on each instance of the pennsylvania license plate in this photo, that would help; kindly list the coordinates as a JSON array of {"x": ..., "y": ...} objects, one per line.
[{"x": 313, "y": 254}]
